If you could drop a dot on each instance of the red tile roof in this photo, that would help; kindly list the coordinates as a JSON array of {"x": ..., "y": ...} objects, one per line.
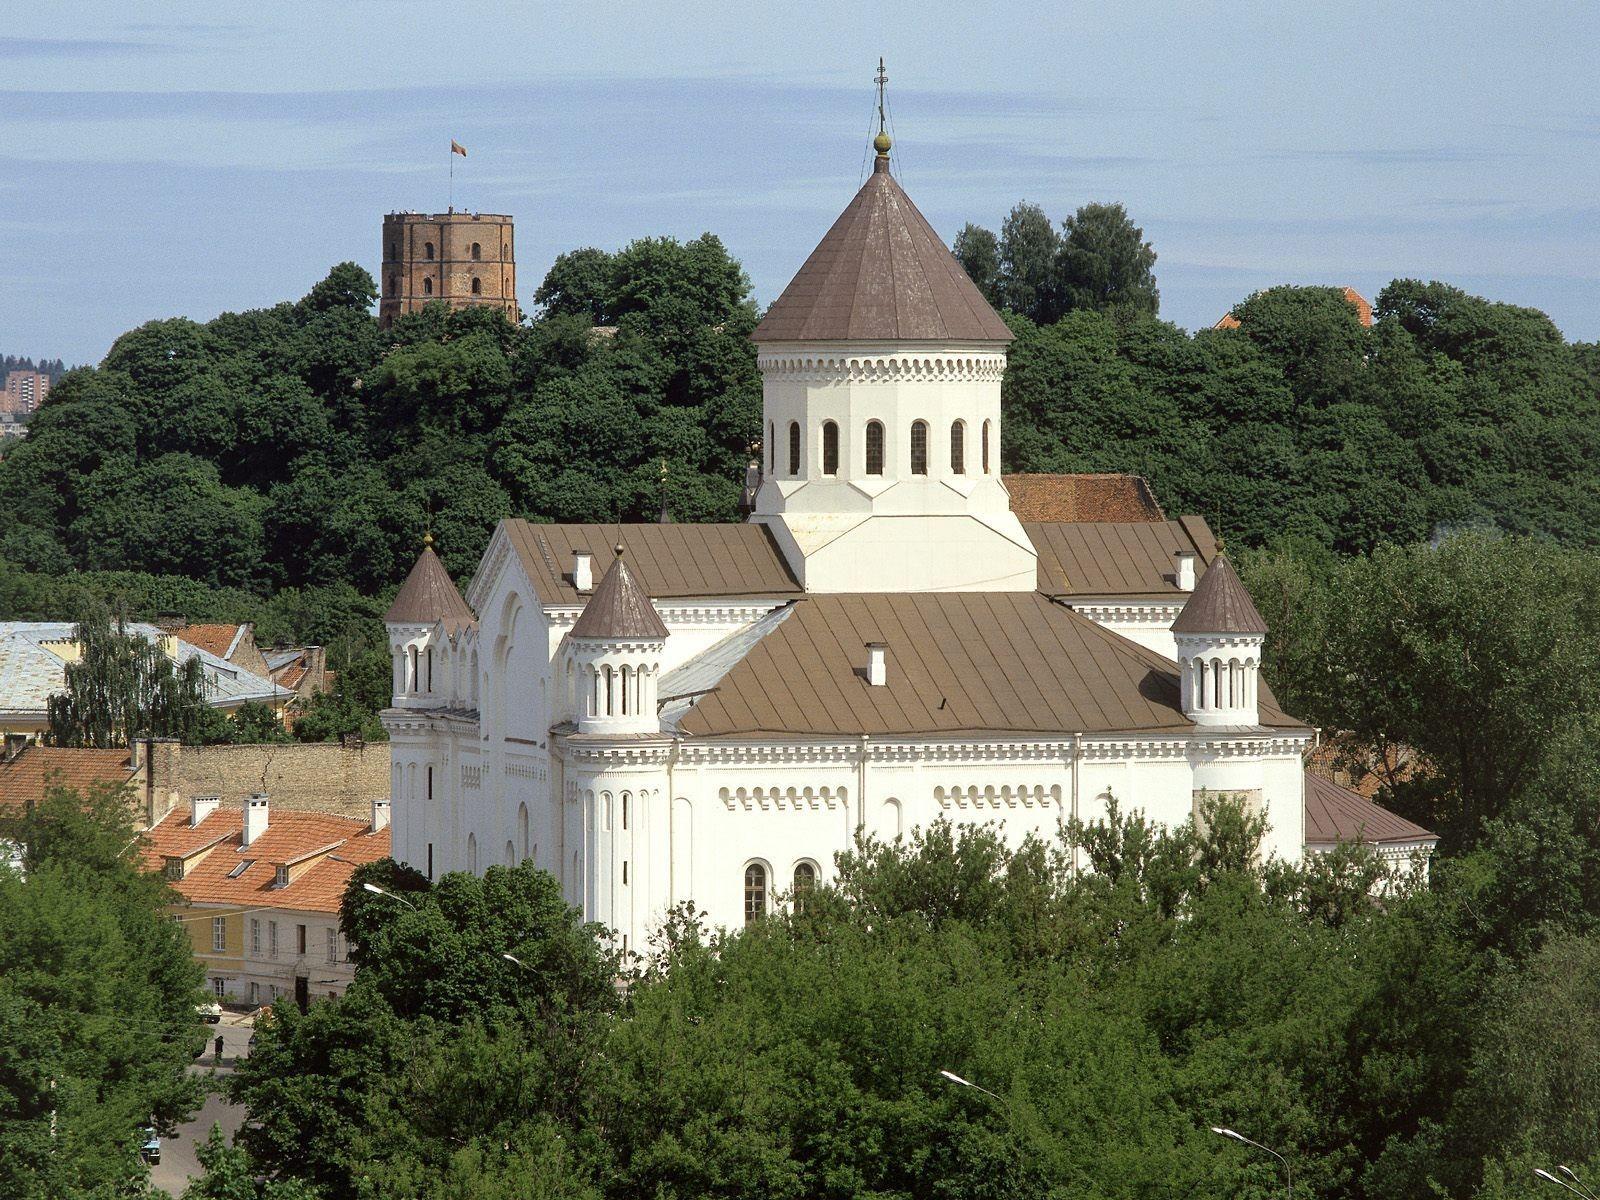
[
  {"x": 1360, "y": 303},
  {"x": 38, "y": 768},
  {"x": 1082, "y": 498},
  {"x": 1335, "y": 814},
  {"x": 289, "y": 838},
  {"x": 213, "y": 639}
]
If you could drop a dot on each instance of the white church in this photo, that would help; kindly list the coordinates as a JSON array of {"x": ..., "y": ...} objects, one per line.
[{"x": 661, "y": 713}]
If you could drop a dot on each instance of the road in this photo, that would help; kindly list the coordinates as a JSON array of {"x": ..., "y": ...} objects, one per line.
[{"x": 179, "y": 1163}]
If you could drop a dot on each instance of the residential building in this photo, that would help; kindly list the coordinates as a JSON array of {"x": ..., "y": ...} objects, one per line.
[
  {"x": 260, "y": 893},
  {"x": 24, "y": 392},
  {"x": 660, "y": 714},
  {"x": 299, "y": 671}
]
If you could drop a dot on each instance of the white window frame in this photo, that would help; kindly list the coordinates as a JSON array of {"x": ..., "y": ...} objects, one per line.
[
  {"x": 219, "y": 934},
  {"x": 333, "y": 944},
  {"x": 272, "y": 939},
  {"x": 255, "y": 935}
]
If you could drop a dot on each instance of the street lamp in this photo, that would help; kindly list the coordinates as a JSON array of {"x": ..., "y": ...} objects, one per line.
[
  {"x": 512, "y": 958},
  {"x": 1575, "y": 1187},
  {"x": 967, "y": 1083},
  {"x": 1239, "y": 1137},
  {"x": 378, "y": 891}
]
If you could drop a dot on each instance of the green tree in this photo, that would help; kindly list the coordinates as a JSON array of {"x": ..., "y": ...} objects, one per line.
[
  {"x": 978, "y": 251},
  {"x": 124, "y": 686},
  {"x": 1104, "y": 262},
  {"x": 1029, "y": 248}
]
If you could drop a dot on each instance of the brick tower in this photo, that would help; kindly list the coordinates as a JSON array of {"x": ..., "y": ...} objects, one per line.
[{"x": 464, "y": 259}]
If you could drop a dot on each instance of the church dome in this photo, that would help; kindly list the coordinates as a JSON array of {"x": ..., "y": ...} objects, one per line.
[
  {"x": 881, "y": 274},
  {"x": 1220, "y": 605},
  {"x": 429, "y": 595},
  {"x": 620, "y": 610}
]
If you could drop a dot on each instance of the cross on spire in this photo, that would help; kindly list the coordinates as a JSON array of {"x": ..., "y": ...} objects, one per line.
[
  {"x": 881, "y": 142},
  {"x": 882, "y": 78}
]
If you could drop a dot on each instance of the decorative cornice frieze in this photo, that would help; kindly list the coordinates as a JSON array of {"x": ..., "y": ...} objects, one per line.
[
  {"x": 681, "y": 612},
  {"x": 779, "y": 798},
  {"x": 952, "y": 367},
  {"x": 963, "y": 797},
  {"x": 1162, "y": 612}
]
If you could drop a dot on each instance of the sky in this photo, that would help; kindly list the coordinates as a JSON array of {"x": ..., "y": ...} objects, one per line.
[{"x": 178, "y": 158}]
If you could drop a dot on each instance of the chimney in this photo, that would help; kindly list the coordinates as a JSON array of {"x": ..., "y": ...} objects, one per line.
[
  {"x": 380, "y": 813},
  {"x": 255, "y": 817},
  {"x": 135, "y": 754},
  {"x": 1184, "y": 575},
  {"x": 877, "y": 664},
  {"x": 202, "y": 807},
  {"x": 583, "y": 571}
]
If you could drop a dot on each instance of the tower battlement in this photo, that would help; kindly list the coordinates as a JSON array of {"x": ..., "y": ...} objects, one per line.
[{"x": 465, "y": 259}]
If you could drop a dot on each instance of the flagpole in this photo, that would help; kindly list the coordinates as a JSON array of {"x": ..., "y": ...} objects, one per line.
[{"x": 452, "y": 177}]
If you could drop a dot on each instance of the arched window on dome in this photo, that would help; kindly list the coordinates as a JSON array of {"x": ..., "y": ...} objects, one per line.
[
  {"x": 411, "y": 669},
  {"x": 805, "y": 880},
  {"x": 429, "y": 675},
  {"x": 986, "y": 447},
  {"x": 830, "y": 448},
  {"x": 958, "y": 448},
  {"x": 627, "y": 687},
  {"x": 755, "y": 893},
  {"x": 874, "y": 447},
  {"x": 919, "y": 447},
  {"x": 772, "y": 448},
  {"x": 794, "y": 447}
]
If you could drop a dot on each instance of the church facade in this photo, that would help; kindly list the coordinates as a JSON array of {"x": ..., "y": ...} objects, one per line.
[{"x": 660, "y": 714}]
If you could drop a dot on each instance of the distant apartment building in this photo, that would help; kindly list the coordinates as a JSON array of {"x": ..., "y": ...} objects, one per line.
[{"x": 25, "y": 392}]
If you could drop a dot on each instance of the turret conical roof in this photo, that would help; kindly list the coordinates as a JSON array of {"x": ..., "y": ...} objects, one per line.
[
  {"x": 1220, "y": 604},
  {"x": 429, "y": 595},
  {"x": 881, "y": 274},
  {"x": 619, "y": 609}
]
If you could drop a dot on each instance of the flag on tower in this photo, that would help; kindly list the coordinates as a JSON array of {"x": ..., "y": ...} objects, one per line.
[{"x": 457, "y": 148}]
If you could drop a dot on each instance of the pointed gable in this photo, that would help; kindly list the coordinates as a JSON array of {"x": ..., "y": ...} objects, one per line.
[
  {"x": 620, "y": 609},
  {"x": 1220, "y": 604},
  {"x": 429, "y": 595},
  {"x": 881, "y": 274}
]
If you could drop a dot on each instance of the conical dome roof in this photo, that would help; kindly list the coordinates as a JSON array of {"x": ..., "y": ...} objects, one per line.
[
  {"x": 1220, "y": 604},
  {"x": 619, "y": 609},
  {"x": 881, "y": 274},
  {"x": 428, "y": 595}
]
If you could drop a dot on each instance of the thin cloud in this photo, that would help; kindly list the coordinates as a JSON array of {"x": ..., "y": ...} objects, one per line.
[{"x": 20, "y": 48}]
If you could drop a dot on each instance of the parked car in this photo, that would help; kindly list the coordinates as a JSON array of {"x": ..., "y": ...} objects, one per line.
[
  {"x": 210, "y": 1012},
  {"x": 151, "y": 1150}
]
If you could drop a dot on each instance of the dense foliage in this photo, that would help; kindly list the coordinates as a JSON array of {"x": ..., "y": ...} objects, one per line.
[
  {"x": 123, "y": 686},
  {"x": 97, "y": 1003}
]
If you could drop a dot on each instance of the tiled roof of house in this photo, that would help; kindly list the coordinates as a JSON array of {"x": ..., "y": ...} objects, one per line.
[
  {"x": 37, "y": 769},
  {"x": 1220, "y": 604},
  {"x": 428, "y": 595},
  {"x": 881, "y": 273},
  {"x": 1126, "y": 559},
  {"x": 289, "y": 838},
  {"x": 1359, "y": 302},
  {"x": 958, "y": 663},
  {"x": 1082, "y": 498},
  {"x": 1336, "y": 814},
  {"x": 1364, "y": 771},
  {"x": 214, "y": 639},
  {"x": 619, "y": 608},
  {"x": 30, "y": 670}
]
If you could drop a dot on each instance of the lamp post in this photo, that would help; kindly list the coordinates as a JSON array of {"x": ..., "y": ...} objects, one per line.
[
  {"x": 512, "y": 958},
  {"x": 1576, "y": 1182},
  {"x": 967, "y": 1083},
  {"x": 1575, "y": 1187},
  {"x": 1239, "y": 1137},
  {"x": 378, "y": 891}
]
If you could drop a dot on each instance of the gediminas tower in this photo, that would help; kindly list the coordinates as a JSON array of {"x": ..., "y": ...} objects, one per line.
[{"x": 465, "y": 259}]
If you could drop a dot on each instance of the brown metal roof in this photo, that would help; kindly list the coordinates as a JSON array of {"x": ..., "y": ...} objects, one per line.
[
  {"x": 1336, "y": 814},
  {"x": 1220, "y": 604},
  {"x": 958, "y": 663},
  {"x": 619, "y": 608},
  {"x": 1082, "y": 498},
  {"x": 428, "y": 595},
  {"x": 881, "y": 274},
  {"x": 667, "y": 561},
  {"x": 1079, "y": 559}
]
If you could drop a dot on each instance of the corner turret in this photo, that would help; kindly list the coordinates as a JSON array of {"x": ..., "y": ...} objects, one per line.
[
  {"x": 1219, "y": 635},
  {"x": 428, "y": 612},
  {"x": 614, "y": 662}
]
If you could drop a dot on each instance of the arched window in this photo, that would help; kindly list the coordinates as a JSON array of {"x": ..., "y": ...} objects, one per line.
[
  {"x": 511, "y": 855},
  {"x": 522, "y": 828},
  {"x": 411, "y": 668},
  {"x": 472, "y": 853},
  {"x": 427, "y": 287},
  {"x": 394, "y": 284},
  {"x": 919, "y": 447},
  {"x": 805, "y": 879},
  {"x": 477, "y": 286},
  {"x": 874, "y": 447},
  {"x": 958, "y": 448},
  {"x": 755, "y": 893},
  {"x": 772, "y": 448},
  {"x": 627, "y": 682},
  {"x": 429, "y": 687},
  {"x": 986, "y": 447},
  {"x": 830, "y": 448},
  {"x": 794, "y": 447},
  {"x": 477, "y": 252},
  {"x": 427, "y": 251},
  {"x": 626, "y": 808}
]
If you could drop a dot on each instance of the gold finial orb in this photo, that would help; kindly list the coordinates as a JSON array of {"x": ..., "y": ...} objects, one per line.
[
  {"x": 881, "y": 144},
  {"x": 427, "y": 539},
  {"x": 618, "y": 548}
]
